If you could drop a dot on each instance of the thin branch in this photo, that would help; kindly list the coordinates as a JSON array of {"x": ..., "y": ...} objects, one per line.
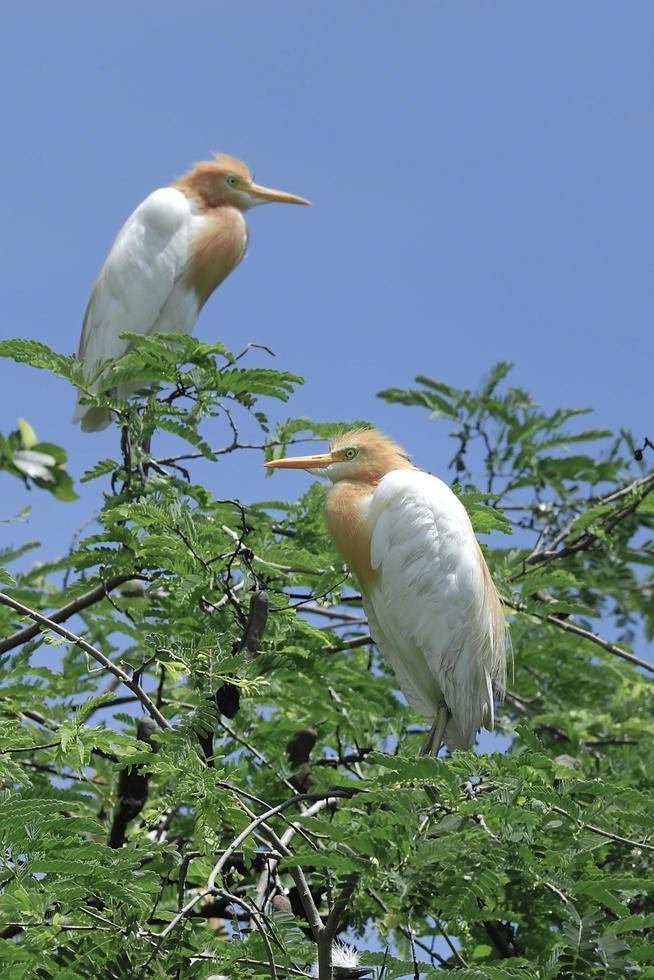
[
  {"x": 300, "y": 569},
  {"x": 296, "y": 872},
  {"x": 256, "y": 917},
  {"x": 357, "y": 641},
  {"x": 31, "y": 748},
  {"x": 92, "y": 651},
  {"x": 262, "y": 818},
  {"x": 604, "y": 833},
  {"x": 587, "y": 539},
  {"x": 255, "y": 752},
  {"x": 257, "y": 821},
  {"x": 232, "y": 447},
  {"x": 286, "y": 838},
  {"x": 456, "y": 953},
  {"x": 310, "y": 607},
  {"x": 290, "y": 971},
  {"x": 568, "y": 627},
  {"x": 433, "y": 955},
  {"x": 89, "y": 598}
]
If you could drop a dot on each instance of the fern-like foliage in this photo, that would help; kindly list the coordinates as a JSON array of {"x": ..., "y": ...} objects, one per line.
[{"x": 163, "y": 782}]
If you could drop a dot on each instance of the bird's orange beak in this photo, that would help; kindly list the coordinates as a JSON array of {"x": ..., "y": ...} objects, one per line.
[
  {"x": 265, "y": 194},
  {"x": 301, "y": 462}
]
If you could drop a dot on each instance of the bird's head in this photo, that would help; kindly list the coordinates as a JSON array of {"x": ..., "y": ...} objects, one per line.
[
  {"x": 359, "y": 455},
  {"x": 227, "y": 181}
]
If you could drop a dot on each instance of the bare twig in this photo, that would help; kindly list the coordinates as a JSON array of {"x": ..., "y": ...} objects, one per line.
[
  {"x": 587, "y": 539},
  {"x": 255, "y": 752},
  {"x": 310, "y": 607},
  {"x": 416, "y": 968},
  {"x": 286, "y": 838},
  {"x": 31, "y": 748},
  {"x": 92, "y": 651},
  {"x": 433, "y": 955},
  {"x": 232, "y": 447},
  {"x": 89, "y": 598},
  {"x": 604, "y": 833},
  {"x": 300, "y": 569},
  {"x": 256, "y": 821},
  {"x": 357, "y": 641},
  {"x": 568, "y": 627}
]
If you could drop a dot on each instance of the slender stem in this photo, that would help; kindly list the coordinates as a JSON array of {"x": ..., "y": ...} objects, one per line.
[
  {"x": 604, "y": 833},
  {"x": 262, "y": 818},
  {"x": 568, "y": 627},
  {"x": 357, "y": 641},
  {"x": 286, "y": 838},
  {"x": 92, "y": 651},
  {"x": 89, "y": 598}
]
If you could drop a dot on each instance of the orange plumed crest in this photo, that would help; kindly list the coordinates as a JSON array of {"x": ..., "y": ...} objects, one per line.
[
  {"x": 232, "y": 166},
  {"x": 378, "y": 453},
  {"x": 203, "y": 182}
]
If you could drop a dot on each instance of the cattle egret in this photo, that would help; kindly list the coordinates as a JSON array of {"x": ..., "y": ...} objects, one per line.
[
  {"x": 169, "y": 256},
  {"x": 431, "y": 604}
]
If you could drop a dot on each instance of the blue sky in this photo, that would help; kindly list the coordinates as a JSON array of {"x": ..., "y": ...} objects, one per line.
[{"x": 481, "y": 176}]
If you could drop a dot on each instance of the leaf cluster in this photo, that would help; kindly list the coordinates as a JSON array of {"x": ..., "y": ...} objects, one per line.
[{"x": 238, "y": 756}]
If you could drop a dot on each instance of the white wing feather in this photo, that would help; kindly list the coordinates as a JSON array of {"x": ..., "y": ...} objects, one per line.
[
  {"x": 139, "y": 288},
  {"x": 428, "y": 614}
]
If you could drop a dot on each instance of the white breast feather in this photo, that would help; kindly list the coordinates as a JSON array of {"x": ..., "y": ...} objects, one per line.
[
  {"x": 139, "y": 288},
  {"x": 428, "y": 614}
]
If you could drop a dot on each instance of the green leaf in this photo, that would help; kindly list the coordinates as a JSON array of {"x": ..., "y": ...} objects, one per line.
[{"x": 40, "y": 356}]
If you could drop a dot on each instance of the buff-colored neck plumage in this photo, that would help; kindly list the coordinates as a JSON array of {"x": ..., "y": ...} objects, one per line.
[
  {"x": 354, "y": 483},
  {"x": 220, "y": 242}
]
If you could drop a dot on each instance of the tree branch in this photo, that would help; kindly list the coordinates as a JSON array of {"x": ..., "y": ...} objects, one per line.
[
  {"x": 357, "y": 641},
  {"x": 89, "y": 598},
  {"x": 92, "y": 651},
  {"x": 587, "y": 539},
  {"x": 568, "y": 627},
  {"x": 604, "y": 833}
]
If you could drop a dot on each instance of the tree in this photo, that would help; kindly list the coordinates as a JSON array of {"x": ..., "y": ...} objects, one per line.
[{"x": 206, "y": 768}]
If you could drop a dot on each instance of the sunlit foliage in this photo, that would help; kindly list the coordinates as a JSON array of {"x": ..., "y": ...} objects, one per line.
[{"x": 206, "y": 770}]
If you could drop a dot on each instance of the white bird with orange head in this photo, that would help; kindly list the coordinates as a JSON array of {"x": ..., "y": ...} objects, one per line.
[
  {"x": 431, "y": 604},
  {"x": 172, "y": 252}
]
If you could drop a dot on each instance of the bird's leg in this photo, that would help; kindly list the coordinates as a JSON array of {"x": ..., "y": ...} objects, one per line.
[{"x": 434, "y": 740}]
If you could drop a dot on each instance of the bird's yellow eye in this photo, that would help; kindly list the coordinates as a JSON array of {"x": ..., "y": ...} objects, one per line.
[
  {"x": 351, "y": 453},
  {"x": 232, "y": 180}
]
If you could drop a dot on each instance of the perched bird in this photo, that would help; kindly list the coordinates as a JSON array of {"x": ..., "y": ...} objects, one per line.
[
  {"x": 431, "y": 604},
  {"x": 169, "y": 256}
]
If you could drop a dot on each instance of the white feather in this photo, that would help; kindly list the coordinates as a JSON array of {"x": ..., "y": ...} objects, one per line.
[
  {"x": 140, "y": 287},
  {"x": 428, "y": 613}
]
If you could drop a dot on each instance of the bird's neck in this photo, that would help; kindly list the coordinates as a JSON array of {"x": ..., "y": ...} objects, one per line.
[
  {"x": 346, "y": 511},
  {"x": 219, "y": 244}
]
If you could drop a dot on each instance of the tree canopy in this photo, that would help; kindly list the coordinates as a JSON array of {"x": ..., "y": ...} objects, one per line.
[{"x": 207, "y": 770}]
